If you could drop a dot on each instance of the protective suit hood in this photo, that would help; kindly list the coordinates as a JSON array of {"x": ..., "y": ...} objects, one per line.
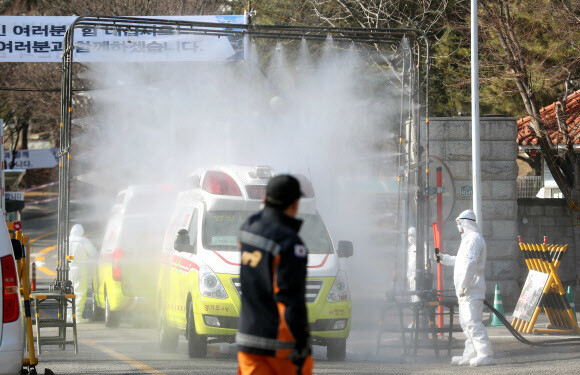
[
  {"x": 77, "y": 231},
  {"x": 467, "y": 221},
  {"x": 412, "y": 236}
]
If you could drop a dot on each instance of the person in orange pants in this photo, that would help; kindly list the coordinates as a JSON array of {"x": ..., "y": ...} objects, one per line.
[
  {"x": 273, "y": 334},
  {"x": 256, "y": 364}
]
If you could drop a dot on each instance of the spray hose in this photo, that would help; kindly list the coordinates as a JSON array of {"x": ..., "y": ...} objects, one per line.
[{"x": 523, "y": 340}]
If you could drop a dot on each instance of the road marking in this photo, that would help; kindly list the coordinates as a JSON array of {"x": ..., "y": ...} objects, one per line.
[
  {"x": 47, "y": 249},
  {"x": 121, "y": 357},
  {"x": 44, "y": 235},
  {"x": 39, "y": 258},
  {"x": 46, "y": 270}
]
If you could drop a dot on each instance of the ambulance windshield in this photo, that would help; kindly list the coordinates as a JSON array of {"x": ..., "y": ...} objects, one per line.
[{"x": 221, "y": 228}]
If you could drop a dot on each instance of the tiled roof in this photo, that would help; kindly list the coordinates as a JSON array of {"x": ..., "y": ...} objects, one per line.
[{"x": 527, "y": 136}]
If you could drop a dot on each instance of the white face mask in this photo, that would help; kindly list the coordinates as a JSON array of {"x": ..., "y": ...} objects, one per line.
[{"x": 459, "y": 226}]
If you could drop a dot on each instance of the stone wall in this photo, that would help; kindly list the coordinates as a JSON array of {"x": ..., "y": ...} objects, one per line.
[{"x": 451, "y": 141}]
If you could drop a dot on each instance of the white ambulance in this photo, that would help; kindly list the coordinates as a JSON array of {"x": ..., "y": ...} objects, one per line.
[{"x": 199, "y": 283}]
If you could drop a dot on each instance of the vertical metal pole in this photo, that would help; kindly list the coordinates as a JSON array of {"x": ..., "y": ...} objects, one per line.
[
  {"x": 476, "y": 167},
  {"x": 410, "y": 141},
  {"x": 64, "y": 160},
  {"x": 440, "y": 229},
  {"x": 402, "y": 260},
  {"x": 427, "y": 147},
  {"x": 419, "y": 176},
  {"x": 2, "y": 179},
  {"x": 428, "y": 271},
  {"x": 247, "y": 21}
]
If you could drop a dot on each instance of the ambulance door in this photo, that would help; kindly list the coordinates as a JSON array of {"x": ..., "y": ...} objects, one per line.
[
  {"x": 190, "y": 261},
  {"x": 178, "y": 263},
  {"x": 103, "y": 273}
]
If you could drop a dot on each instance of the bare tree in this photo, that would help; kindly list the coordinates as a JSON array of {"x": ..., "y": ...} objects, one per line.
[
  {"x": 426, "y": 15},
  {"x": 131, "y": 7},
  {"x": 532, "y": 47}
]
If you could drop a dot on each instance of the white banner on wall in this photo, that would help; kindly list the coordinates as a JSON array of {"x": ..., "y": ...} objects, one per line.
[{"x": 40, "y": 39}]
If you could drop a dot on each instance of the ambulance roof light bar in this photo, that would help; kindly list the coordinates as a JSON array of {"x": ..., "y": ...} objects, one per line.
[
  {"x": 220, "y": 183},
  {"x": 262, "y": 172}
]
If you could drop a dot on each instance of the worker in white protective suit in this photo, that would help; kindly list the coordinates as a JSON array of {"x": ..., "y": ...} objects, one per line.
[
  {"x": 412, "y": 260},
  {"x": 469, "y": 280},
  {"x": 81, "y": 267}
]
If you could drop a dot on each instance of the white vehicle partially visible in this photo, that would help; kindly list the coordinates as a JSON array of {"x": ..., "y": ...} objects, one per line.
[{"x": 11, "y": 327}]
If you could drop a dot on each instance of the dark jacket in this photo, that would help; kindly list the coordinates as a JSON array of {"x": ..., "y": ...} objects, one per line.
[{"x": 273, "y": 277}]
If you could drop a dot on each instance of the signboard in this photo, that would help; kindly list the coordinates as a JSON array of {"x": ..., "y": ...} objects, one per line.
[
  {"x": 14, "y": 195},
  {"x": 466, "y": 191},
  {"x": 31, "y": 159},
  {"x": 549, "y": 181},
  {"x": 40, "y": 39},
  {"x": 531, "y": 295}
]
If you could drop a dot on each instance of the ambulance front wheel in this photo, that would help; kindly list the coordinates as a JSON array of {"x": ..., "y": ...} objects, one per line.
[
  {"x": 336, "y": 350},
  {"x": 196, "y": 344},
  {"x": 97, "y": 313}
]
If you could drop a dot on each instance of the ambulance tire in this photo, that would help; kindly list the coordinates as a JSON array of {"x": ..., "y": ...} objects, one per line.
[
  {"x": 336, "y": 350},
  {"x": 97, "y": 313},
  {"x": 196, "y": 344},
  {"x": 168, "y": 336},
  {"x": 112, "y": 318}
]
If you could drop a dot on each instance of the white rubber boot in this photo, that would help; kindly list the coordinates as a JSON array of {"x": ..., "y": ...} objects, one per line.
[
  {"x": 460, "y": 360},
  {"x": 482, "y": 361}
]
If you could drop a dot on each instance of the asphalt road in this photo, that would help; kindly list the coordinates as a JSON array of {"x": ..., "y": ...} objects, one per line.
[
  {"x": 131, "y": 350},
  {"x": 128, "y": 350}
]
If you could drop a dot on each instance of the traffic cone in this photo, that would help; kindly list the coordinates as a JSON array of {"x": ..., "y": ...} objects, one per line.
[
  {"x": 33, "y": 279},
  {"x": 570, "y": 296},
  {"x": 498, "y": 305}
]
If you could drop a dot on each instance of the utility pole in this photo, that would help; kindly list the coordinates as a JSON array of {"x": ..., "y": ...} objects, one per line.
[{"x": 475, "y": 156}]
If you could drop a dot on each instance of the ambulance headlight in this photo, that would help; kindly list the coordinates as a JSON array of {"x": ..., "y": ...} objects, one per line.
[
  {"x": 210, "y": 285},
  {"x": 339, "y": 325},
  {"x": 339, "y": 291},
  {"x": 211, "y": 321}
]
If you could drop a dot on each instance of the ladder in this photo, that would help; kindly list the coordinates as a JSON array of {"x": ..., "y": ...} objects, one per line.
[{"x": 44, "y": 301}]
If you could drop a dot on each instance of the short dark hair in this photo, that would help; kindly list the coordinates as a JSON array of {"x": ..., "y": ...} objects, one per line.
[{"x": 278, "y": 207}]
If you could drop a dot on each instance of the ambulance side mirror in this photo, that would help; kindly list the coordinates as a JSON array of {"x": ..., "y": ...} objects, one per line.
[
  {"x": 345, "y": 249},
  {"x": 18, "y": 249},
  {"x": 183, "y": 242}
]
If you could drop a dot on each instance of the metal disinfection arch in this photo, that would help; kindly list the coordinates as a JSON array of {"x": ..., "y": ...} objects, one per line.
[{"x": 413, "y": 86}]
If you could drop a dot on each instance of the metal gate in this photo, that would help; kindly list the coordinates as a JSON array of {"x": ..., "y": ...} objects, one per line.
[{"x": 412, "y": 68}]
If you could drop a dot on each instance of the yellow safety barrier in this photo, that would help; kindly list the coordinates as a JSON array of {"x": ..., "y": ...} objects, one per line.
[
  {"x": 23, "y": 272},
  {"x": 543, "y": 261}
]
